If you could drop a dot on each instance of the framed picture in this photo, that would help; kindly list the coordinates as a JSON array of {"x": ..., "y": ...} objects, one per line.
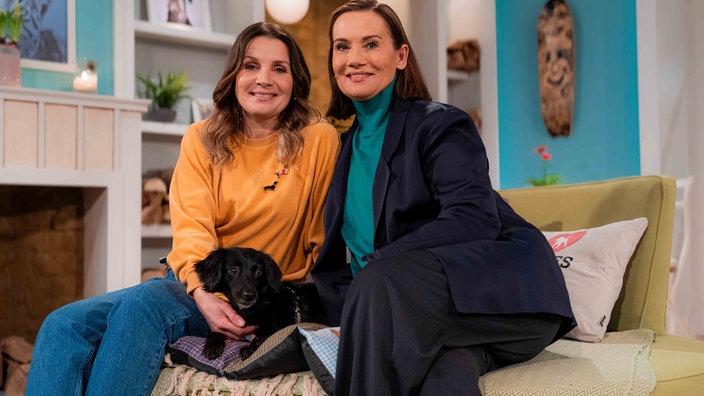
[
  {"x": 202, "y": 108},
  {"x": 184, "y": 14},
  {"x": 48, "y": 35}
]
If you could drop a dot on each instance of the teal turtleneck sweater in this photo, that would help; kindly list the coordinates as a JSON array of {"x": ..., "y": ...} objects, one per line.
[{"x": 358, "y": 224}]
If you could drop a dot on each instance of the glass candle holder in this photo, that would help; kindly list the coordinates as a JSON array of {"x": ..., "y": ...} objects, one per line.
[{"x": 86, "y": 79}]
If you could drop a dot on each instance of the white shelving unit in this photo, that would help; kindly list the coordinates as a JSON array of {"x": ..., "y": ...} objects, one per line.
[
  {"x": 168, "y": 34},
  {"x": 146, "y": 48},
  {"x": 432, "y": 25},
  {"x": 156, "y": 231},
  {"x": 150, "y": 128},
  {"x": 159, "y": 133}
]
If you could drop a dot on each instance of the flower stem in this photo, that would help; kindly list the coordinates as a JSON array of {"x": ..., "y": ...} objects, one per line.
[{"x": 545, "y": 173}]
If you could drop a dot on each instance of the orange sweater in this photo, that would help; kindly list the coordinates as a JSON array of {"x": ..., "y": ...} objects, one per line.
[{"x": 228, "y": 206}]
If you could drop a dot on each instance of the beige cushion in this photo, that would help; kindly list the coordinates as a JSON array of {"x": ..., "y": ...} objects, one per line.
[{"x": 593, "y": 261}]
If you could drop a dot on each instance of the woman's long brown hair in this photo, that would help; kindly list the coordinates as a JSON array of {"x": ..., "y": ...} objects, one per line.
[{"x": 226, "y": 125}]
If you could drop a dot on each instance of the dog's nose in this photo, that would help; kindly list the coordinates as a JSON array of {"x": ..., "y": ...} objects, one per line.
[{"x": 248, "y": 295}]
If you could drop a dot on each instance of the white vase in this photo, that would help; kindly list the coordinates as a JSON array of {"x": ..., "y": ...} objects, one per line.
[{"x": 10, "y": 70}]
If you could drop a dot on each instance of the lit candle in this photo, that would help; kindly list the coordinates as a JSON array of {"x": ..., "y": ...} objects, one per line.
[{"x": 87, "y": 80}]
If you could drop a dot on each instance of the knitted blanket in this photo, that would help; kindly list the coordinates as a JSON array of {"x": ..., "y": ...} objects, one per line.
[
  {"x": 179, "y": 379},
  {"x": 618, "y": 365}
]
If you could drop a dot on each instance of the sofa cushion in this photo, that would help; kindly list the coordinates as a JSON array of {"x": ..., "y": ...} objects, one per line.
[
  {"x": 189, "y": 350},
  {"x": 320, "y": 349},
  {"x": 678, "y": 363},
  {"x": 593, "y": 261}
]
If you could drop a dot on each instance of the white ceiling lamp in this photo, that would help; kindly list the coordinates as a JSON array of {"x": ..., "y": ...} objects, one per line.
[{"x": 287, "y": 12}]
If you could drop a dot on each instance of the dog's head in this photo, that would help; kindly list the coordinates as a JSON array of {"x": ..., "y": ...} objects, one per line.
[{"x": 244, "y": 275}]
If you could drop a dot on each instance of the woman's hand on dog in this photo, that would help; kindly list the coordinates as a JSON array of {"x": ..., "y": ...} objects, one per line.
[{"x": 220, "y": 315}]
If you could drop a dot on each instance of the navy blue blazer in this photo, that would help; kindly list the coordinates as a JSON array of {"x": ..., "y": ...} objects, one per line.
[{"x": 432, "y": 191}]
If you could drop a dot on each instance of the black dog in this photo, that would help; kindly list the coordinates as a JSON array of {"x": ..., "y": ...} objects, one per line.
[{"x": 251, "y": 281}]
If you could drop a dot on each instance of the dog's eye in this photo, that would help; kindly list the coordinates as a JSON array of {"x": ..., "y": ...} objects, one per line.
[
  {"x": 258, "y": 273},
  {"x": 233, "y": 271}
]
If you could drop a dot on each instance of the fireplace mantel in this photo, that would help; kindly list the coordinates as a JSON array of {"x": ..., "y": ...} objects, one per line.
[{"x": 67, "y": 139}]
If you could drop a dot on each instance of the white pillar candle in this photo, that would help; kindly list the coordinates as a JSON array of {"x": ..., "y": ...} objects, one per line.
[{"x": 86, "y": 82}]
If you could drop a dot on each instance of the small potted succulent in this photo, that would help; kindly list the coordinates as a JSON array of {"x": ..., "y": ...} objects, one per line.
[
  {"x": 165, "y": 92},
  {"x": 10, "y": 22}
]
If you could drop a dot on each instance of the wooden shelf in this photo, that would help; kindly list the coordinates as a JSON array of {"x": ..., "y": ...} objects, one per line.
[
  {"x": 163, "y": 128},
  {"x": 156, "y": 230},
  {"x": 183, "y": 35},
  {"x": 457, "y": 75}
]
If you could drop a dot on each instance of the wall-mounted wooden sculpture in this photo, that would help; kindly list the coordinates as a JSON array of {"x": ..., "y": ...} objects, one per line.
[{"x": 556, "y": 73}]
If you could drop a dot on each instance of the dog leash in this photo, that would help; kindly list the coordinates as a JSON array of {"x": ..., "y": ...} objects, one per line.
[{"x": 296, "y": 305}]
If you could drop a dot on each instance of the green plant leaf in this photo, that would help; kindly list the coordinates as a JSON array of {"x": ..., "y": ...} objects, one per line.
[
  {"x": 166, "y": 91},
  {"x": 3, "y": 25},
  {"x": 552, "y": 179},
  {"x": 548, "y": 180},
  {"x": 15, "y": 22}
]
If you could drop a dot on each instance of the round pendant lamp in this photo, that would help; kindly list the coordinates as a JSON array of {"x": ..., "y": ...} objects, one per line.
[{"x": 287, "y": 12}]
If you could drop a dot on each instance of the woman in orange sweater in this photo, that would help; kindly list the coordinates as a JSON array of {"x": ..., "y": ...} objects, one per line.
[{"x": 255, "y": 174}]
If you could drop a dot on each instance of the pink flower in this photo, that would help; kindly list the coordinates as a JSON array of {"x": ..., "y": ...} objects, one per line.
[{"x": 547, "y": 179}]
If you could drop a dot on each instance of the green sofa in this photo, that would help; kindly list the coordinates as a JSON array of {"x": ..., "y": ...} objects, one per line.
[{"x": 678, "y": 363}]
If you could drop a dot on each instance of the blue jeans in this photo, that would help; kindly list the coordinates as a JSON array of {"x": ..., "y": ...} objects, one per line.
[{"x": 114, "y": 343}]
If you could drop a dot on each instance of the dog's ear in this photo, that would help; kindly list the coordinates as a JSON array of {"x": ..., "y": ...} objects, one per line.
[
  {"x": 211, "y": 269},
  {"x": 273, "y": 273}
]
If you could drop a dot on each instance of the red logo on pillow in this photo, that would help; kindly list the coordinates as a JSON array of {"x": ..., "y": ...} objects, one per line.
[{"x": 561, "y": 241}]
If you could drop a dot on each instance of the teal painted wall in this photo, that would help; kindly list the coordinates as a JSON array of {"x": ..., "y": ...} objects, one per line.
[
  {"x": 605, "y": 138},
  {"x": 94, "y": 41}
]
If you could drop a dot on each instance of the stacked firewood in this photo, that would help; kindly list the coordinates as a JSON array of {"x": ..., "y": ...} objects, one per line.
[
  {"x": 16, "y": 357},
  {"x": 155, "y": 196}
]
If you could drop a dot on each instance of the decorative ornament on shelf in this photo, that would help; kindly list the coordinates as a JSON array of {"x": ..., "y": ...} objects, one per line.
[
  {"x": 287, "y": 12},
  {"x": 10, "y": 69},
  {"x": 165, "y": 92},
  {"x": 463, "y": 55},
  {"x": 547, "y": 179},
  {"x": 86, "y": 79}
]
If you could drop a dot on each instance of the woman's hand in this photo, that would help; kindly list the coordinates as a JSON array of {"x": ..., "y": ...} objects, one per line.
[{"x": 220, "y": 315}]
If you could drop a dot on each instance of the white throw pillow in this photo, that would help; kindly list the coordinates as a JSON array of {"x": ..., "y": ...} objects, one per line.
[{"x": 593, "y": 262}]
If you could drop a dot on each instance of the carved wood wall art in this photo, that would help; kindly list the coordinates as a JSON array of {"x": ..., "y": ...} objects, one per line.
[{"x": 556, "y": 73}]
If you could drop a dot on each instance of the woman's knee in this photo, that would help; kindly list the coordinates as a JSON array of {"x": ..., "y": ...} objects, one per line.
[
  {"x": 55, "y": 321},
  {"x": 371, "y": 280},
  {"x": 70, "y": 322},
  {"x": 397, "y": 271}
]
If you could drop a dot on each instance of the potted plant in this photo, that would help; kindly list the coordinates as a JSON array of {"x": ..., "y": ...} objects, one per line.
[
  {"x": 164, "y": 92},
  {"x": 547, "y": 179},
  {"x": 10, "y": 70}
]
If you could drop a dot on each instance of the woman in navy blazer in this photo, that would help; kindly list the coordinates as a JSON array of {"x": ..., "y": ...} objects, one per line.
[{"x": 446, "y": 281}]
